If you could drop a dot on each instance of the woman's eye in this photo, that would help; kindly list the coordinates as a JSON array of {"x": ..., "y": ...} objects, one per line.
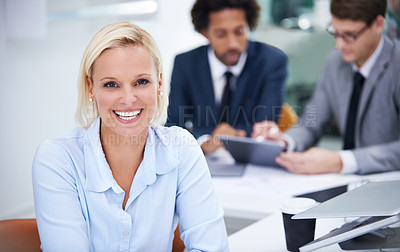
[
  {"x": 110, "y": 84},
  {"x": 142, "y": 82}
]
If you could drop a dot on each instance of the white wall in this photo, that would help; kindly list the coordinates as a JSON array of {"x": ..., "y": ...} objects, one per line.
[
  {"x": 38, "y": 79},
  {"x": 38, "y": 88},
  {"x": 2, "y": 38}
]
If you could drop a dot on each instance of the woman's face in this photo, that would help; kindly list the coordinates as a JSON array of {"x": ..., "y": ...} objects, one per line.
[{"x": 125, "y": 85}]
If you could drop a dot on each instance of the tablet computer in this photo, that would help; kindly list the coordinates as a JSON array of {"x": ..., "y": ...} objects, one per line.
[{"x": 248, "y": 150}]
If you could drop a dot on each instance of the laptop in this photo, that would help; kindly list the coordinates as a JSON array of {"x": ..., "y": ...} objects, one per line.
[
  {"x": 372, "y": 199},
  {"x": 377, "y": 204},
  {"x": 248, "y": 150}
]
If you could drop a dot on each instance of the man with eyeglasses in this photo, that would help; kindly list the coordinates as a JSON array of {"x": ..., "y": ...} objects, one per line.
[{"x": 359, "y": 89}]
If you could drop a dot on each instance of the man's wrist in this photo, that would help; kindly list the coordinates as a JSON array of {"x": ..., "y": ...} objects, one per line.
[{"x": 202, "y": 139}]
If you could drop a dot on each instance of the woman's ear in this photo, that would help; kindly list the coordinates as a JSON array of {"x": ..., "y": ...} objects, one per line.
[
  {"x": 160, "y": 83},
  {"x": 89, "y": 83}
]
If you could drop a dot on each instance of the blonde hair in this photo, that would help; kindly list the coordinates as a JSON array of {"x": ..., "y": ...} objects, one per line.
[{"x": 117, "y": 35}]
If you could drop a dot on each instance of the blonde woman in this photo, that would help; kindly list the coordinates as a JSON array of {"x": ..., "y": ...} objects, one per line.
[{"x": 122, "y": 181}]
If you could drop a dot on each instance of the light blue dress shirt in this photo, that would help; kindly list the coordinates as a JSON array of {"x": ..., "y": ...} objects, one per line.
[{"x": 79, "y": 204}]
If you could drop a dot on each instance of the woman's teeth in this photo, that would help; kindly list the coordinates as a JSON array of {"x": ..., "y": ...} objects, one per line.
[{"x": 127, "y": 115}]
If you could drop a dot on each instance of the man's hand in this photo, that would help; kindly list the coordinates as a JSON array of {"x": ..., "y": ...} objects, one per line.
[
  {"x": 312, "y": 161},
  {"x": 222, "y": 129},
  {"x": 267, "y": 130}
]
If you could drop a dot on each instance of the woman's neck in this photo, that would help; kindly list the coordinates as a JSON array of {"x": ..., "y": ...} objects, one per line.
[
  {"x": 124, "y": 155},
  {"x": 111, "y": 140}
]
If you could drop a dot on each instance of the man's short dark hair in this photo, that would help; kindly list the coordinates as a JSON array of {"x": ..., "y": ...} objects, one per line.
[
  {"x": 358, "y": 10},
  {"x": 202, "y": 9}
]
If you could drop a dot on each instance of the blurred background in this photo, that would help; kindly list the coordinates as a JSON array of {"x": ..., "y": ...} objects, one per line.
[{"x": 42, "y": 41}]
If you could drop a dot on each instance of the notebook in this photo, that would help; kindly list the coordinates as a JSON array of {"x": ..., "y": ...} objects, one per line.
[
  {"x": 247, "y": 150},
  {"x": 225, "y": 168}
]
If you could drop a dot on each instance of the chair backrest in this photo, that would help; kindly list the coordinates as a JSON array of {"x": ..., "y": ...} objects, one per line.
[
  {"x": 19, "y": 235},
  {"x": 287, "y": 118},
  {"x": 177, "y": 244}
]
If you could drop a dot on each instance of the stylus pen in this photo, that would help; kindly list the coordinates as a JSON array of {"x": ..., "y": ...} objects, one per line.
[{"x": 271, "y": 131}]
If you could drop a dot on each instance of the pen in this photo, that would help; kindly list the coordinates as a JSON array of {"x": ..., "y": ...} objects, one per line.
[{"x": 273, "y": 130}]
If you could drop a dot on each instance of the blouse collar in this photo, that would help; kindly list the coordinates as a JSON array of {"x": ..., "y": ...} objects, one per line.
[{"x": 157, "y": 160}]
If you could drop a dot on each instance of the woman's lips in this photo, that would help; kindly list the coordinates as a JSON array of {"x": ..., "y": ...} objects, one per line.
[{"x": 127, "y": 116}]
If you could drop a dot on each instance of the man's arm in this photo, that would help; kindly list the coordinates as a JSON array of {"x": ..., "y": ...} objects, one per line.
[
  {"x": 272, "y": 95},
  {"x": 223, "y": 129},
  {"x": 178, "y": 103},
  {"x": 378, "y": 158},
  {"x": 317, "y": 114}
]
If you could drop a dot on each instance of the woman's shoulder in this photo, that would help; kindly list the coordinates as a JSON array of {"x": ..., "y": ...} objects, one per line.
[
  {"x": 176, "y": 134},
  {"x": 177, "y": 144},
  {"x": 71, "y": 140},
  {"x": 170, "y": 130}
]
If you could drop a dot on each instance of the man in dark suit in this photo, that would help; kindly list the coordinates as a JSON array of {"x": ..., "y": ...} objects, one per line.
[
  {"x": 360, "y": 89},
  {"x": 225, "y": 87}
]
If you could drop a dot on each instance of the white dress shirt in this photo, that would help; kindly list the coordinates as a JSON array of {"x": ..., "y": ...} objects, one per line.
[
  {"x": 348, "y": 159},
  {"x": 218, "y": 70}
]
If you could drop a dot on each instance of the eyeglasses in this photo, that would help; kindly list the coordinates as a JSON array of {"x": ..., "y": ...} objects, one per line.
[{"x": 347, "y": 37}]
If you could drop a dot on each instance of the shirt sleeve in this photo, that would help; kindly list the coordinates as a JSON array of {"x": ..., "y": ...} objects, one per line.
[
  {"x": 58, "y": 210},
  {"x": 291, "y": 144},
  {"x": 349, "y": 162},
  {"x": 200, "y": 215},
  {"x": 202, "y": 139}
]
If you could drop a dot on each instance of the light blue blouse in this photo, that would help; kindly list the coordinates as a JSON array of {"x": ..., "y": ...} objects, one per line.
[{"x": 79, "y": 204}]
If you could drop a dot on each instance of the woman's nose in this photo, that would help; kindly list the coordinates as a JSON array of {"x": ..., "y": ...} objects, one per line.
[{"x": 128, "y": 96}]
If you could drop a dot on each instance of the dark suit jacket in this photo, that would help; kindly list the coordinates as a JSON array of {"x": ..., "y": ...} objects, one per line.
[
  {"x": 259, "y": 94},
  {"x": 377, "y": 135}
]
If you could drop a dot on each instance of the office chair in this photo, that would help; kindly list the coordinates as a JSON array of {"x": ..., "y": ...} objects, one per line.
[
  {"x": 287, "y": 118},
  {"x": 177, "y": 244},
  {"x": 19, "y": 235}
]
